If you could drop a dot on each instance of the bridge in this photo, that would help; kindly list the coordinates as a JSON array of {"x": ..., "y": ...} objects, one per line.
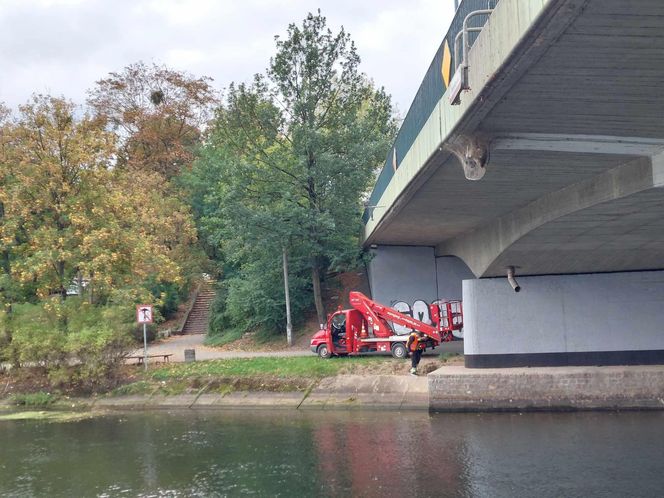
[{"x": 534, "y": 150}]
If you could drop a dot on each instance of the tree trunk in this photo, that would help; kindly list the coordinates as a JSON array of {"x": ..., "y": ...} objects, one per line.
[
  {"x": 318, "y": 298},
  {"x": 60, "y": 270},
  {"x": 91, "y": 296},
  {"x": 4, "y": 256}
]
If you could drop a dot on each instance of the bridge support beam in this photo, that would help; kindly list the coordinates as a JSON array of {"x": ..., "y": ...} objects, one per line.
[{"x": 589, "y": 319}]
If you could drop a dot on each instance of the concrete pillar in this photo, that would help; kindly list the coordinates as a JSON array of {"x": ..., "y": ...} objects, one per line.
[{"x": 591, "y": 319}]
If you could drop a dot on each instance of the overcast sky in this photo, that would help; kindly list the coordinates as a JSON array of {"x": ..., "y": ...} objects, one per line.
[{"x": 62, "y": 47}]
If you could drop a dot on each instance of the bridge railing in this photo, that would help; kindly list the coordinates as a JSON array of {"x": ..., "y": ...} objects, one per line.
[{"x": 428, "y": 95}]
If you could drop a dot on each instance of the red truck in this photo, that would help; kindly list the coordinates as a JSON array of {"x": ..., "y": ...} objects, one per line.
[{"x": 366, "y": 328}]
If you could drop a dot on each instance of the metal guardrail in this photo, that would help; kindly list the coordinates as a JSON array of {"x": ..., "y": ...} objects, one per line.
[{"x": 428, "y": 95}]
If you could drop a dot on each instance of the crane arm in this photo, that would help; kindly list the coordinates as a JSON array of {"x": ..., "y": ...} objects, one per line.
[{"x": 381, "y": 314}]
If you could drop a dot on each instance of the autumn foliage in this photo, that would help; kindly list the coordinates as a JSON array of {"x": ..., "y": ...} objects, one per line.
[
  {"x": 157, "y": 179},
  {"x": 89, "y": 217}
]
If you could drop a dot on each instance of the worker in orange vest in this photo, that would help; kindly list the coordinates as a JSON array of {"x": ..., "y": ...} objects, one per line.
[{"x": 416, "y": 345}]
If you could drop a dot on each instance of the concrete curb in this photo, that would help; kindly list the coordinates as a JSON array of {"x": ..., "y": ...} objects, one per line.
[
  {"x": 383, "y": 392},
  {"x": 378, "y": 392},
  {"x": 547, "y": 388}
]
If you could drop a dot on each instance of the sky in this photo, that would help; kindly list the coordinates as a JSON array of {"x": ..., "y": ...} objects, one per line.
[{"x": 61, "y": 47}]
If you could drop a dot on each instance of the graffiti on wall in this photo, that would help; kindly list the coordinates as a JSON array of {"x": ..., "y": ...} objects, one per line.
[{"x": 420, "y": 311}]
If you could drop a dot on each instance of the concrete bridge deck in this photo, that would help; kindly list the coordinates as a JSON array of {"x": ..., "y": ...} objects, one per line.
[{"x": 566, "y": 96}]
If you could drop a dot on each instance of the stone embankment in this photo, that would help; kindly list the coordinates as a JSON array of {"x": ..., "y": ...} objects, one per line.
[
  {"x": 450, "y": 388},
  {"x": 391, "y": 392}
]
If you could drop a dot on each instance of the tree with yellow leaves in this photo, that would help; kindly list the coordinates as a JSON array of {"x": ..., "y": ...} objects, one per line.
[{"x": 70, "y": 214}]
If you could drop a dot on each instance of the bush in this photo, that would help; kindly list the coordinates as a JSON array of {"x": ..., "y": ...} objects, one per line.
[
  {"x": 253, "y": 299},
  {"x": 170, "y": 295},
  {"x": 219, "y": 321},
  {"x": 79, "y": 345},
  {"x": 150, "y": 332}
]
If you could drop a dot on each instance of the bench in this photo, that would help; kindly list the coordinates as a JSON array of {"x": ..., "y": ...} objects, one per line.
[{"x": 166, "y": 358}]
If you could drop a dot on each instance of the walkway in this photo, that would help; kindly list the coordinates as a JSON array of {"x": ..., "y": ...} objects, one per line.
[{"x": 177, "y": 344}]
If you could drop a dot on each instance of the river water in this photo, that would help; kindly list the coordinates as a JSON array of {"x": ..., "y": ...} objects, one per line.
[{"x": 312, "y": 453}]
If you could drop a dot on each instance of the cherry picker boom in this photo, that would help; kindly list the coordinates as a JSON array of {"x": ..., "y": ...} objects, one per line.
[{"x": 369, "y": 327}]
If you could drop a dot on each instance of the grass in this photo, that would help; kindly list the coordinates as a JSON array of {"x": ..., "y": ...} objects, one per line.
[
  {"x": 241, "y": 374},
  {"x": 135, "y": 388},
  {"x": 229, "y": 335},
  {"x": 259, "y": 336},
  {"x": 34, "y": 399},
  {"x": 300, "y": 367},
  {"x": 447, "y": 357}
]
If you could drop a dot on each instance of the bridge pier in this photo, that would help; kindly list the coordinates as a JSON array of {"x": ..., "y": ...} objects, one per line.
[{"x": 588, "y": 319}]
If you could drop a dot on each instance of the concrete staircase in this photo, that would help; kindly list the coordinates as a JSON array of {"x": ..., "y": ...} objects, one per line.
[{"x": 197, "y": 320}]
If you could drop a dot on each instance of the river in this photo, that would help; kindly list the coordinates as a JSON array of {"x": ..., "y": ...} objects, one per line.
[{"x": 316, "y": 453}]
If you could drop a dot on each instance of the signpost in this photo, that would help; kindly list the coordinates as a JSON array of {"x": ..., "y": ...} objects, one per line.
[{"x": 144, "y": 315}]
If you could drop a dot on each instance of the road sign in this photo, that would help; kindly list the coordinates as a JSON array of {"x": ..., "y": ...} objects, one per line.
[{"x": 144, "y": 313}]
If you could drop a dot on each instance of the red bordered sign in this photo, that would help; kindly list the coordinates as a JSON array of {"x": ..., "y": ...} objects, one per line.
[{"x": 144, "y": 313}]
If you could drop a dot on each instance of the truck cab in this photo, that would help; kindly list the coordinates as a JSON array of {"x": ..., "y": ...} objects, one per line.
[{"x": 339, "y": 335}]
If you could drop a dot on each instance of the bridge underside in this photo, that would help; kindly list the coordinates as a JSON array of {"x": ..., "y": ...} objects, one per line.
[
  {"x": 575, "y": 173},
  {"x": 572, "y": 194}
]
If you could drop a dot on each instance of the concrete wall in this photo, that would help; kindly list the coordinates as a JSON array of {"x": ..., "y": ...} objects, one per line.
[
  {"x": 609, "y": 312},
  {"x": 450, "y": 272},
  {"x": 402, "y": 273},
  {"x": 405, "y": 273}
]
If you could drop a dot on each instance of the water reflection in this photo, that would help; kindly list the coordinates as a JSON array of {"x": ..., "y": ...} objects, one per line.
[
  {"x": 289, "y": 453},
  {"x": 375, "y": 455}
]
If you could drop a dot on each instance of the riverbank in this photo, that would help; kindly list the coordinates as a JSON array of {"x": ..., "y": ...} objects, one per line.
[{"x": 449, "y": 388}]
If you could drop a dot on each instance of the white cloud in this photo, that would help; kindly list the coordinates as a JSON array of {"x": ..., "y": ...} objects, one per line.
[{"x": 64, "y": 46}]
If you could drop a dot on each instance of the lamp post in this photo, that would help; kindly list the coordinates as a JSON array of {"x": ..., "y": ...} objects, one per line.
[{"x": 289, "y": 325}]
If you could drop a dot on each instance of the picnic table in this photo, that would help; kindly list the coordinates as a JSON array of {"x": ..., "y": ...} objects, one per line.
[{"x": 166, "y": 357}]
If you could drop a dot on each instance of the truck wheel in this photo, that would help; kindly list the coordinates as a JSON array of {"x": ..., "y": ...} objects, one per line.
[
  {"x": 399, "y": 350},
  {"x": 323, "y": 352}
]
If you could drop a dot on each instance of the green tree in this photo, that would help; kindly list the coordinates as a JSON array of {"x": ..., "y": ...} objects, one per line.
[{"x": 299, "y": 146}]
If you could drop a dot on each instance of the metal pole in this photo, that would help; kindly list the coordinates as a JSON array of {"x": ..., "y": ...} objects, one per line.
[
  {"x": 289, "y": 325},
  {"x": 145, "y": 347}
]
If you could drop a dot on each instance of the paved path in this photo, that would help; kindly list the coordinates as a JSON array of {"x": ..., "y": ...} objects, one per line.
[{"x": 177, "y": 344}]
